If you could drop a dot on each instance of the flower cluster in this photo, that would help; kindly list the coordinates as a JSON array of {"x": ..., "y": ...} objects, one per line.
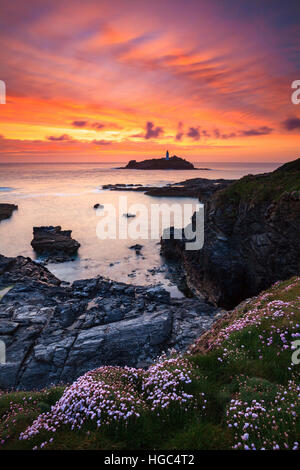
[
  {"x": 266, "y": 425},
  {"x": 163, "y": 383},
  {"x": 278, "y": 327},
  {"x": 104, "y": 395},
  {"x": 114, "y": 395},
  {"x": 255, "y": 317}
]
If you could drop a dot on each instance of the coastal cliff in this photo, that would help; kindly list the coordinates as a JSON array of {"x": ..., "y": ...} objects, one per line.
[{"x": 251, "y": 238}]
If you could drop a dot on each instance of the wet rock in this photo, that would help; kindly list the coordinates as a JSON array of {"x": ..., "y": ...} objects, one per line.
[
  {"x": 20, "y": 269},
  {"x": 6, "y": 210},
  {"x": 200, "y": 188},
  {"x": 55, "y": 243},
  {"x": 137, "y": 248},
  {"x": 8, "y": 327}
]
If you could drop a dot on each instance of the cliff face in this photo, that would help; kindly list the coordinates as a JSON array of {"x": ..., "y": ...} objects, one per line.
[{"x": 251, "y": 238}]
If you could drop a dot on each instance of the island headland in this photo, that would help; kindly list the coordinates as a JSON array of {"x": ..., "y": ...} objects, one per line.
[{"x": 172, "y": 163}]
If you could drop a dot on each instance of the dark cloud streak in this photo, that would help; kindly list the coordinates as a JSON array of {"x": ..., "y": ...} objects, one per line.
[
  {"x": 152, "y": 131},
  {"x": 194, "y": 133},
  {"x": 60, "y": 138},
  {"x": 291, "y": 123}
]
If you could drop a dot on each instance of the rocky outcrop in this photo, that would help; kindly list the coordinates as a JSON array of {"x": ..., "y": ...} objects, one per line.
[
  {"x": 20, "y": 269},
  {"x": 174, "y": 163},
  {"x": 200, "y": 188},
  {"x": 6, "y": 210},
  {"x": 137, "y": 247},
  {"x": 55, "y": 243},
  {"x": 56, "y": 333},
  {"x": 251, "y": 238}
]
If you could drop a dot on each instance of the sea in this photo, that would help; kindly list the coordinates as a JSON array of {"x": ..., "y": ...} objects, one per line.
[{"x": 65, "y": 194}]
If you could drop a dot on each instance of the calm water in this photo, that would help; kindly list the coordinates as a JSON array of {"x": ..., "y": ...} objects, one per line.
[{"x": 64, "y": 194}]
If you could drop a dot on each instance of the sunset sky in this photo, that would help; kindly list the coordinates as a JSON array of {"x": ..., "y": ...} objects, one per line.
[{"x": 113, "y": 80}]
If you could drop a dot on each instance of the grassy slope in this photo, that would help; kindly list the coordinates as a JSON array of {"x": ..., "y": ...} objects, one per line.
[
  {"x": 243, "y": 358},
  {"x": 268, "y": 186}
]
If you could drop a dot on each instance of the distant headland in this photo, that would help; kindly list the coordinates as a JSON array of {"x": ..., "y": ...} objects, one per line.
[{"x": 167, "y": 163}]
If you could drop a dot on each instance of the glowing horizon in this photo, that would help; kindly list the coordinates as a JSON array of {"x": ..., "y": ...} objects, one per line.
[{"x": 117, "y": 80}]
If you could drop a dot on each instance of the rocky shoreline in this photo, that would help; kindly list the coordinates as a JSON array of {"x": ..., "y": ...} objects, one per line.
[
  {"x": 200, "y": 188},
  {"x": 54, "y": 333}
]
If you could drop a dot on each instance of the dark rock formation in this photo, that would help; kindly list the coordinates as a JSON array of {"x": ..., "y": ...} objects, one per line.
[
  {"x": 20, "y": 269},
  {"x": 174, "y": 163},
  {"x": 251, "y": 238},
  {"x": 55, "y": 333},
  {"x": 201, "y": 188},
  {"x": 6, "y": 210},
  {"x": 137, "y": 248},
  {"x": 55, "y": 243}
]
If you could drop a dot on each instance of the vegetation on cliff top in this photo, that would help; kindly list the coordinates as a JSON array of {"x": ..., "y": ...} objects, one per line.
[
  {"x": 264, "y": 187},
  {"x": 236, "y": 388}
]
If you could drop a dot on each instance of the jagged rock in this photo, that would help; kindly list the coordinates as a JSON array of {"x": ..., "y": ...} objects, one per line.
[
  {"x": 54, "y": 334},
  {"x": 6, "y": 210},
  {"x": 54, "y": 242},
  {"x": 20, "y": 269}
]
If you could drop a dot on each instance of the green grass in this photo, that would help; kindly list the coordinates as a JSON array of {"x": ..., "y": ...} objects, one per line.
[
  {"x": 249, "y": 370},
  {"x": 268, "y": 186}
]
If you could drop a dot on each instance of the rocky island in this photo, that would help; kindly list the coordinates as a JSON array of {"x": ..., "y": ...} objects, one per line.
[
  {"x": 54, "y": 243},
  {"x": 172, "y": 163}
]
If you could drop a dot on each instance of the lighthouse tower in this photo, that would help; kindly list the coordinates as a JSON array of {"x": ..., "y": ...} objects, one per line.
[{"x": 167, "y": 155}]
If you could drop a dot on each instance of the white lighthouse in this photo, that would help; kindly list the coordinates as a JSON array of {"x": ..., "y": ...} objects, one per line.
[{"x": 167, "y": 155}]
